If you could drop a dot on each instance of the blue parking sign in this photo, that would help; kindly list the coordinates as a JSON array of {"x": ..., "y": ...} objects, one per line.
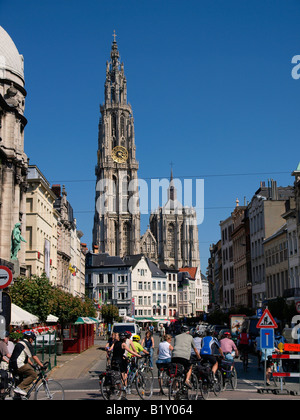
[{"x": 267, "y": 338}]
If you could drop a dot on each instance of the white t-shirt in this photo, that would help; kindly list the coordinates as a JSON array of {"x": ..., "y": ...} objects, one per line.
[{"x": 164, "y": 351}]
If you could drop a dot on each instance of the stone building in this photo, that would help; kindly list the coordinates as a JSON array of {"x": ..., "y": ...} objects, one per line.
[
  {"x": 13, "y": 160},
  {"x": 227, "y": 262},
  {"x": 172, "y": 236},
  {"x": 41, "y": 227},
  {"x": 265, "y": 217},
  {"x": 240, "y": 237},
  {"x": 175, "y": 230},
  {"x": 117, "y": 216}
]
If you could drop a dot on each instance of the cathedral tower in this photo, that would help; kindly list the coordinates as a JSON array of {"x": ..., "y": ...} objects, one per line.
[{"x": 117, "y": 216}]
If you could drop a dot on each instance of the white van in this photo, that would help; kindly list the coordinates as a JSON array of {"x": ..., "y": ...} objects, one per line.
[{"x": 132, "y": 327}]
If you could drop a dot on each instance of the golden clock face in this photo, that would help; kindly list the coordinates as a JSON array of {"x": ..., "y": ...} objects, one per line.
[{"x": 119, "y": 154}]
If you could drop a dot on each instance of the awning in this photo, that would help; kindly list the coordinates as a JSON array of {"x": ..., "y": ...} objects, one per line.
[
  {"x": 52, "y": 318},
  {"x": 21, "y": 317},
  {"x": 86, "y": 320}
]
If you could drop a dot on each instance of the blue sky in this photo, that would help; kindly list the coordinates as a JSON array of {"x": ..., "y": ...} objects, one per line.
[{"x": 209, "y": 83}]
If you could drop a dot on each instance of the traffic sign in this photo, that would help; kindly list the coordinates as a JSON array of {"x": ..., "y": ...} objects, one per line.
[
  {"x": 298, "y": 306},
  {"x": 267, "y": 338},
  {"x": 266, "y": 320},
  {"x": 5, "y": 277}
]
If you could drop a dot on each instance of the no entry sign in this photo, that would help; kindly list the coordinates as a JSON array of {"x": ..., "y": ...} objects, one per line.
[{"x": 5, "y": 277}]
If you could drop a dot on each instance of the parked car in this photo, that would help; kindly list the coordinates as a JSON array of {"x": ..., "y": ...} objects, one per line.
[{"x": 132, "y": 327}]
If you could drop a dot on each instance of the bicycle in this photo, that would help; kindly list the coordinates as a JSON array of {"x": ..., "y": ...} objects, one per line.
[
  {"x": 206, "y": 380},
  {"x": 228, "y": 373},
  {"x": 163, "y": 378},
  {"x": 178, "y": 390},
  {"x": 244, "y": 357},
  {"x": 114, "y": 387},
  {"x": 42, "y": 387}
]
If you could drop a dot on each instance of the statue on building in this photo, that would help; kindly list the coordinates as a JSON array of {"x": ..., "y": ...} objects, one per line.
[{"x": 16, "y": 239}]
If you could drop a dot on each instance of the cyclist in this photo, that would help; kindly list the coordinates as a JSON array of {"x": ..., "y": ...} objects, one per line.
[
  {"x": 198, "y": 342},
  {"x": 164, "y": 350},
  {"x": 182, "y": 352},
  {"x": 20, "y": 361},
  {"x": 119, "y": 360},
  {"x": 137, "y": 346},
  {"x": 244, "y": 343},
  {"x": 228, "y": 346},
  {"x": 148, "y": 344},
  {"x": 209, "y": 346}
]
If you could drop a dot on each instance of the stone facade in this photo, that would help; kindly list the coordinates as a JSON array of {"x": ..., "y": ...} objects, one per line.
[
  {"x": 41, "y": 227},
  {"x": 13, "y": 160},
  {"x": 117, "y": 217}
]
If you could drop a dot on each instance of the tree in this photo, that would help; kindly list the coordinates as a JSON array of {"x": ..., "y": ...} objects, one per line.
[
  {"x": 110, "y": 313},
  {"x": 37, "y": 296}
]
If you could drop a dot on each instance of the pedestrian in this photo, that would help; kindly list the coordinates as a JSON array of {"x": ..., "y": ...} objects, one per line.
[
  {"x": 266, "y": 356},
  {"x": 148, "y": 344}
]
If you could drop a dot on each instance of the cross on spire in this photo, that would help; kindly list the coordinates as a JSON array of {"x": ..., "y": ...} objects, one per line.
[{"x": 114, "y": 35}]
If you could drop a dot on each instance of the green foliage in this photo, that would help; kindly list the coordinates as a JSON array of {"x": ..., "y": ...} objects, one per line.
[
  {"x": 37, "y": 296},
  {"x": 110, "y": 313}
]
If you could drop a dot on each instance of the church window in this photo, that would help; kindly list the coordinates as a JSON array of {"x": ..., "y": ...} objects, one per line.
[
  {"x": 113, "y": 125},
  {"x": 171, "y": 240},
  {"x": 124, "y": 194},
  {"x": 122, "y": 125},
  {"x": 126, "y": 238}
]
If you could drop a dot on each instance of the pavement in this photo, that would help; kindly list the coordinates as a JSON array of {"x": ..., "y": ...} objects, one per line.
[{"x": 75, "y": 366}]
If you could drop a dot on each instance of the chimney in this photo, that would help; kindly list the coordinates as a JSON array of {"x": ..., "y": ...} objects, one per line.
[
  {"x": 56, "y": 189},
  {"x": 96, "y": 249}
]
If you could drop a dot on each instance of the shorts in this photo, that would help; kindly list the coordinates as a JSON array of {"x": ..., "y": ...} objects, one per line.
[
  {"x": 119, "y": 365},
  {"x": 209, "y": 358},
  {"x": 186, "y": 363}
]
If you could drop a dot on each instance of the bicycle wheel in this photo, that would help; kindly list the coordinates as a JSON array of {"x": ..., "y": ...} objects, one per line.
[
  {"x": 112, "y": 390},
  {"x": 174, "y": 388},
  {"x": 204, "y": 389},
  {"x": 49, "y": 389},
  {"x": 217, "y": 385},
  {"x": 164, "y": 382},
  {"x": 144, "y": 384},
  {"x": 245, "y": 361},
  {"x": 233, "y": 379},
  {"x": 193, "y": 393}
]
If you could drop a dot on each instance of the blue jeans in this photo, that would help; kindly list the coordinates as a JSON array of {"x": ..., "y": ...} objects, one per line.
[{"x": 150, "y": 351}]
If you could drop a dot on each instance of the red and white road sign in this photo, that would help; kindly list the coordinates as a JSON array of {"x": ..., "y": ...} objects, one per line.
[
  {"x": 5, "y": 277},
  {"x": 266, "y": 320}
]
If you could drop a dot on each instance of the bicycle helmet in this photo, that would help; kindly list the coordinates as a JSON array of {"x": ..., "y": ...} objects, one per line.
[
  {"x": 128, "y": 334},
  {"x": 122, "y": 336},
  {"x": 136, "y": 338},
  {"x": 184, "y": 328},
  {"x": 227, "y": 334},
  {"x": 28, "y": 335}
]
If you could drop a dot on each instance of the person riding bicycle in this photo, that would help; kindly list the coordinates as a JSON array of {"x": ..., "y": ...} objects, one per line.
[
  {"x": 137, "y": 346},
  {"x": 20, "y": 361},
  {"x": 208, "y": 349},
  {"x": 198, "y": 342},
  {"x": 119, "y": 361},
  {"x": 182, "y": 352},
  {"x": 228, "y": 346},
  {"x": 244, "y": 343}
]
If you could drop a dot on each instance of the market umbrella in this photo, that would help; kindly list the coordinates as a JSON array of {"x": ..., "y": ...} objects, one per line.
[
  {"x": 51, "y": 318},
  {"x": 21, "y": 317}
]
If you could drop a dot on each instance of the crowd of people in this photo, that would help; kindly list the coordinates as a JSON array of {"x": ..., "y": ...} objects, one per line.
[{"x": 188, "y": 349}]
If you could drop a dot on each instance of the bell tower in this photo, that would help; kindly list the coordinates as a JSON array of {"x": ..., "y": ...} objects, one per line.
[{"x": 117, "y": 216}]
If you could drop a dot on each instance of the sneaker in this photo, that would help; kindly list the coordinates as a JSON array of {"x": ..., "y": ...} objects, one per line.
[{"x": 20, "y": 391}]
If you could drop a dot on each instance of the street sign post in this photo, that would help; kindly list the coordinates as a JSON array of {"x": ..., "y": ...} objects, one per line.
[
  {"x": 266, "y": 320},
  {"x": 5, "y": 280},
  {"x": 267, "y": 338}
]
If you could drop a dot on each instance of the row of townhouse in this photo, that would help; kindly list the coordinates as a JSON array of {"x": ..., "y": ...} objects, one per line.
[
  {"x": 140, "y": 289},
  {"x": 52, "y": 240},
  {"x": 257, "y": 258}
]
